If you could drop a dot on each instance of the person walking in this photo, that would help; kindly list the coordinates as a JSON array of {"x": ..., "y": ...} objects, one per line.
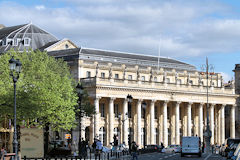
[
  {"x": 98, "y": 149},
  {"x": 134, "y": 151}
]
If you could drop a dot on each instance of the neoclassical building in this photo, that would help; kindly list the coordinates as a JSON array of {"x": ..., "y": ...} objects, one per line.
[
  {"x": 174, "y": 95},
  {"x": 169, "y": 97}
]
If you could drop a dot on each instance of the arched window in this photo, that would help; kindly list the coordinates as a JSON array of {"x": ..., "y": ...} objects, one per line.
[{"x": 102, "y": 135}]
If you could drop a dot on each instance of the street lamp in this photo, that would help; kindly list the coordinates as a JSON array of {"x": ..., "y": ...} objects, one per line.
[
  {"x": 144, "y": 106},
  {"x": 207, "y": 132},
  {"x": 79, "y": 89},
  {"x": 15, "y": 69},
  {"x": 129, "y": 100}
]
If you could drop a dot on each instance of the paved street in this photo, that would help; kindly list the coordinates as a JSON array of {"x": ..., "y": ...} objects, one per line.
[{"x": 177, "y": 156}]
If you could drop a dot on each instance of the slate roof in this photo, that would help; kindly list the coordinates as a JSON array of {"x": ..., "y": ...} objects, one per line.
[
  {"x": 38, "y": 37},
  {"x": 48, "y": 45},
  {"x": 121, "y": 57}
]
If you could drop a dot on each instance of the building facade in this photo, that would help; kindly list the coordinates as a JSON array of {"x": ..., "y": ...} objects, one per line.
[
  {"x": 174, "y": 92},
  {"x": 169, "y": 97}
]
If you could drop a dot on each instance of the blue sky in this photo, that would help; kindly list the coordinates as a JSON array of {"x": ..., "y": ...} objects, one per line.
[{"x": 188, "y": 30}]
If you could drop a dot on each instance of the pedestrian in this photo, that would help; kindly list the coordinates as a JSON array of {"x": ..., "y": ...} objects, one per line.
[
  {"x": 3, "y": 152},
  {"x": 134, "y": 151},
  {"x": 83, "y": 148},
  {"x": 162, "y": 146},
  {"x": 94, "y": 145},
  {"x": 203, "y": 145},
  {"x": 98, "y": 149}
]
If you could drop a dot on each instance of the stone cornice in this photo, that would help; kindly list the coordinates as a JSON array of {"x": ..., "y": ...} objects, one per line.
[{"x": 154, "y": 90}]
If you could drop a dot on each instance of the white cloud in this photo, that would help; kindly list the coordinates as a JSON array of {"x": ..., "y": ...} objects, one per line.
[
  {"x": 185, "y": 28},
  {"x": 40, "y": 7}
]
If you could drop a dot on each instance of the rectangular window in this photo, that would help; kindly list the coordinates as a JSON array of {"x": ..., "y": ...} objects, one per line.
[
  {"x": 179, "y": 81},
  {"x": 155, "y": 79},
  {"x": 102, "y": 109},
  {"x": 143, "y": 112},
  {"x": 191, "y": 82},
  {"x": 129, "y": 77},
  {"x": 26, "y": 41},
  {"x": 15, "y": 42},
  {"x": 143, "y": 78},
  {"x": 167, "y": 80},
  {"x": 155, "y": 112},
  {"x": 102, "y": 75},
  {"x": 116, "y": 110},
  {"x": 88, "y": 74},
  {"x": 129, "y": 111},
  {"x": 116, "y": 76}
]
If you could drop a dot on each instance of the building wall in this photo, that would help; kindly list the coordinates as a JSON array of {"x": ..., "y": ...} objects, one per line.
[{"x": 159, "y": 91}]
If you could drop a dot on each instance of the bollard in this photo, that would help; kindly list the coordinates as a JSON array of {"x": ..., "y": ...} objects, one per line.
[{"x": 108, "y": 156}]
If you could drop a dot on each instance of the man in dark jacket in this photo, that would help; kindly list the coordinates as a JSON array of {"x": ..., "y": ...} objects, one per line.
[{"x": 134, "y": 149}]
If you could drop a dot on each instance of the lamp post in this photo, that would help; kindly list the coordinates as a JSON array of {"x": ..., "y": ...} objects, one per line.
[
  {"x": 15, "y": 70},
  {"x": 79, "y": 88},
  {"x": 144, "y": 106},
  {"x": 129, "y": 100},
  {"x": 207, "y": 132}
]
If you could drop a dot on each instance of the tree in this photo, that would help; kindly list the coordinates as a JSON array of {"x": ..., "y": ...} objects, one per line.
[{"x": 45, "y": 90}]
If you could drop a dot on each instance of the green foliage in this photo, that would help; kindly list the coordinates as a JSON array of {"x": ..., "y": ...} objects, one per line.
[
  {"x": 87, "y": 108},
  {"x": 45, "y": 90}
]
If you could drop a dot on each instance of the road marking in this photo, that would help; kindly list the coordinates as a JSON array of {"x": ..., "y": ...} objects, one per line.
[{"x": 207, "y": 156}]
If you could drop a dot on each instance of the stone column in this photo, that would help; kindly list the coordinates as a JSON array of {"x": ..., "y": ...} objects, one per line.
[
  {"x": 96, "y": 117},
  {"x": 152, "y": 122},
  {"x": 139, "y": 120},
  {"x": 177, "y": 132},
  {"x": 232, "y": 122},
  {"x": 219, "y": 126},
  {"x": 160, "y": 125},
  {"x": 212, "y": 122},
  {"x": 189, "y": 119},
  {"x": 165, "y": 127},
  {"x": 222, "y": 123},
  {"x": 200, "y": 121},
  {"x": 125, "y": 121},
  {"x": 111, "y": 119}
]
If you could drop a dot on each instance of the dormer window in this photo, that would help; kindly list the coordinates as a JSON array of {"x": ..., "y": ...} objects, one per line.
[
  {"x": 10, "y": 41},
  {"x": 4, "y": 42},
  {"x": 27, "y": 41},
  {"x": 15, "y": 41}
]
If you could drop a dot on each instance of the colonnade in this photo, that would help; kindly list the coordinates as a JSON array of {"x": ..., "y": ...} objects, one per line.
[{"x": 190, "y": 117}]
